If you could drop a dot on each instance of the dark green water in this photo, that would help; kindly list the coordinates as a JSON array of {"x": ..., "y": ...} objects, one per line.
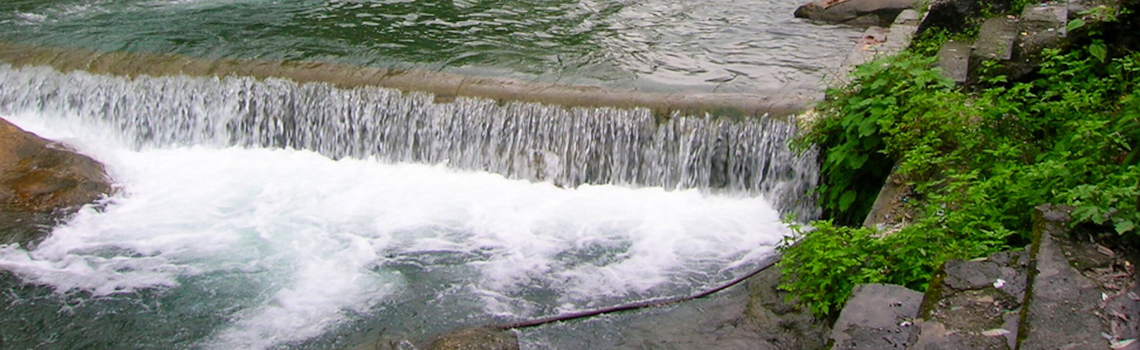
[{"x": 654, "y": 45}]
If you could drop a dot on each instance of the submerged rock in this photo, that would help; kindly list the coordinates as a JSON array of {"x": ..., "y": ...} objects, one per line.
[
  {"x": 42, "y": 182},
  {"x": 480, "y": 338}
]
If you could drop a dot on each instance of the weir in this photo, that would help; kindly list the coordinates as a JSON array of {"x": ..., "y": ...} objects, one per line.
[
  {"x": 567, "y": 146},
  {"x": 443, "y": 86}
]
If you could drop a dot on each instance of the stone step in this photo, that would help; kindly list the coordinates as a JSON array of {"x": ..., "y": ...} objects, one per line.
[
  {"x": 975, "y": 304},
  {"x": 1041, "y": 26},
  {"x": 1063, "y": 305},
  {"x": 995, "y": 43},
  {"x": 1062, "y": 292},
  {"x": 995, "y": 39},
  {"x": 954, "y": 59},
  {"x": 877, "y": 316}
]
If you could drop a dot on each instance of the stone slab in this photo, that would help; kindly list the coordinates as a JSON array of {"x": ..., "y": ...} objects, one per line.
[
  {"x": 995, "y": 39},
  {"x": 877, "y": 316},
  {"x": 1040, "y": 27},
  {"x": 909, "y": 17},
  {"x": 954, "y": 59},
  {"x": 975, "y": 304},
  {"x": 1061, "y": 311}
]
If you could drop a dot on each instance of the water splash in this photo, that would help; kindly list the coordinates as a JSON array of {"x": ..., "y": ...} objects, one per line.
[{"x": 565, "y": 146}]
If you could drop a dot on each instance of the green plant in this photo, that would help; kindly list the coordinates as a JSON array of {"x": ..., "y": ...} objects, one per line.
[
  {"x": 822, "y": 265},
  {"x": 854, "y": 161},
  {"x": 980, "y": 160}
]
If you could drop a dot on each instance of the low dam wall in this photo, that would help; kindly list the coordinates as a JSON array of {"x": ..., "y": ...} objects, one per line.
[{"x": 444, "y": 86}]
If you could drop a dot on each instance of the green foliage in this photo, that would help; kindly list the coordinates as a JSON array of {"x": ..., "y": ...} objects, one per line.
[
  {"x": 822, "y": 265},
  {"x": 855, "y": 165},
  {"x": 980, "y": 161}
]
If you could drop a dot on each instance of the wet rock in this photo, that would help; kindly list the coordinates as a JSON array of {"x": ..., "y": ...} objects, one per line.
[
  {"x": 781, "y": 323},
  {"x": 877, "y": 316},
  {"x": 481, "y": 338},
  {"x": 753, "y": 316},
  {"x": 42, "y": 182},
  {"x": 855, "y": 12}
]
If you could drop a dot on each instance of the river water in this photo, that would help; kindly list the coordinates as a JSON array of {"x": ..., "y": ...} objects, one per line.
[
  {"x": 270, "y": 214},
  {"x": 251, "y": 217},
  {"x": 649, "y": 45}
]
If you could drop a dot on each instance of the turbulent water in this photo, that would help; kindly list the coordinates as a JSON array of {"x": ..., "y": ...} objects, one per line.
[
  {"x": 567, "y": 147},
  {"x": 652, "y": 45},
  {"x": 263, "y": 214}
]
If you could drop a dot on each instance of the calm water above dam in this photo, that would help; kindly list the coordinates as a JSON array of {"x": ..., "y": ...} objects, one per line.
[{"x": 649, "y": 45}]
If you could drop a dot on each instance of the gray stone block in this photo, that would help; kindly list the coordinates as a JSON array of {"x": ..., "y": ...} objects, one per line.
[
  {"x": 1061, "y": 311},
  {"x": 954, "y": 59},
  {"x": 995, "y": 39},
  {"x": 1040, "y": 27},
  {"x": 909, "y": 17},
  {"x": 975, "y": 304},
  {"x": 877, "y": 316}
]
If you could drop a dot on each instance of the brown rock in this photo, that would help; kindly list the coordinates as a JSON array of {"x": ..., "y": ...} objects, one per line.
[
  {"x": 42, "y": 182},
  {"x": 481, "y": 338}
]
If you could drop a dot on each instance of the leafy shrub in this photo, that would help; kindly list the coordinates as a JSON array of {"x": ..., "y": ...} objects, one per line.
[{"x": 981, "y": 161}]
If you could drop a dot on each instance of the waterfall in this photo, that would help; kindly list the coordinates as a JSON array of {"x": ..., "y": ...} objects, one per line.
[{"x": 565, "y": 146}]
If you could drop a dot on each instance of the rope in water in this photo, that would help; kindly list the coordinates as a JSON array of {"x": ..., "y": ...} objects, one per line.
[{"x": 764, "y": 265}]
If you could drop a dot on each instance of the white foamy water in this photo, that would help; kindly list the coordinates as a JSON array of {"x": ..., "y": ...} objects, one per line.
[{"x": 313, "y": 243}]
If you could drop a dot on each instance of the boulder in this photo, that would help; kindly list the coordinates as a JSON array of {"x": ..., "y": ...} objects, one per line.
[
  {"x": 41, "y": 183},
  {"x": 855, "y": 12}
]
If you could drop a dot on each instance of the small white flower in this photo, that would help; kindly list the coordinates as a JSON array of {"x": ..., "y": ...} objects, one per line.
[{"x": 999, "y": 283}]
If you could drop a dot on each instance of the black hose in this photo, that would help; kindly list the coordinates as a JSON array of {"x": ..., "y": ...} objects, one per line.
[{"x": 764, "y": 265}]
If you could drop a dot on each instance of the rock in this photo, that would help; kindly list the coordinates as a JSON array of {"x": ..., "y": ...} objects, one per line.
[
  {"x": 1040, "y": 27},
  {"x": 954, "y": 59},
  {"x": 889, "y": 210},
  {"x": 42, "y": 182},
  {"x": 481, "y": 338},
  {"x": 902, "y": 30},
  {"x": 995, "y": 39},
  {"x": 975, "y": 304},
  {"x": 956, "y": 15},
  {"x": 995, "y": 42},
  {"x": 1063, "y": 304},
  {"x": 781, "y": 323},
  {"x": 856, "y": 12},
  {"x": 877, "y": 316},
  {"x": 752, "y": 316}
]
